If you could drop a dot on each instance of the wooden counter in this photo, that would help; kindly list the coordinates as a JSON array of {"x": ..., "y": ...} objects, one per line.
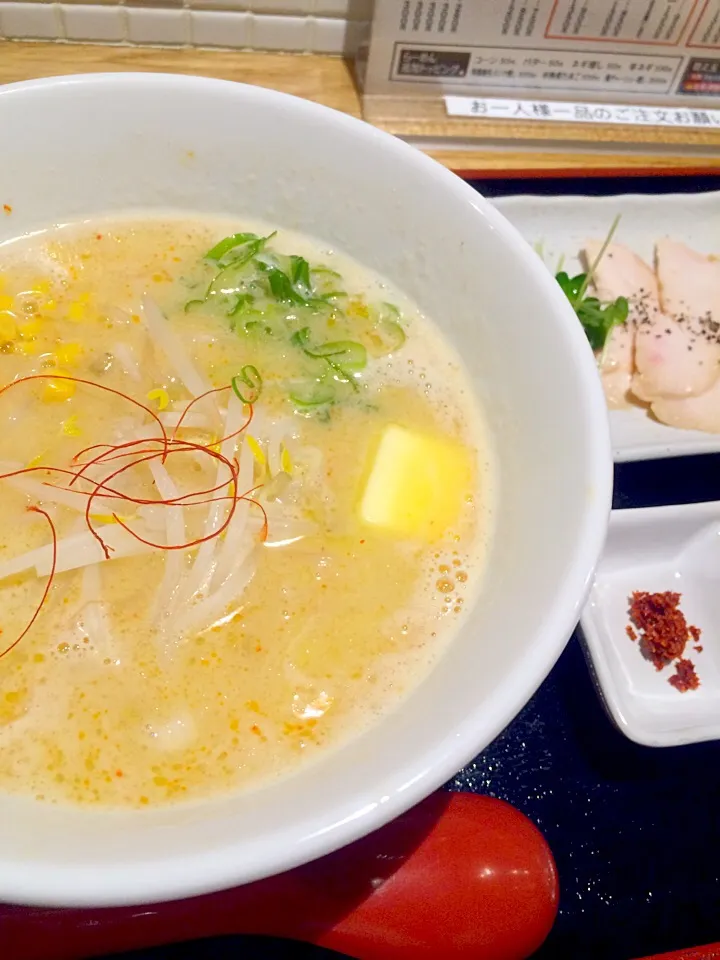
[{"x": 481, "y": 148}]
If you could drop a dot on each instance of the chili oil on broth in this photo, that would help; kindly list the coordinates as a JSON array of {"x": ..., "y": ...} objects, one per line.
[{"x": 339, "y": 619}]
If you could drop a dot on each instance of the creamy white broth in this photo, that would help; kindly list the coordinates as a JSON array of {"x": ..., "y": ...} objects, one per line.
[{"x": 325, "y": 625}]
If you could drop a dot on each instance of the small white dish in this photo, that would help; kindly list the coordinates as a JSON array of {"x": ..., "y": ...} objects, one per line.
[
  {"x": 657, "y": 549},
  {"x": 561, "y": 225}
]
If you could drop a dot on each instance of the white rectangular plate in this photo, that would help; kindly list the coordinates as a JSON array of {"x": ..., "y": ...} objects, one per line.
[
  {"x": 658, "y": 549},
  {"x": 563, "y": 224}
]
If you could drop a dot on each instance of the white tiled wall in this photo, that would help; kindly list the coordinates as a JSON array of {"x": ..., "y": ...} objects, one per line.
[
  {"x": 153, "y": 25},
  {"x": 90, "y": 22},
  {"x": 320, "y": 26},
  {"x": 35, "y": 20},
  {"x": 281, "y": 33},
  {"x": 295, "y": 8},
  {"x": 219, "y": 28}
]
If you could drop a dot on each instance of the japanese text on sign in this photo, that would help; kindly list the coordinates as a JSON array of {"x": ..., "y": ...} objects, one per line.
[
  {"x": 569, "y": 112},
  {"x": 638, "y": 21},
  {"x": 536, "y": 68}
]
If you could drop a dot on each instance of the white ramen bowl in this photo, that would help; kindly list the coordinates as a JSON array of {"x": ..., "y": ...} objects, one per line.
[{"x": 83, "y": 146}]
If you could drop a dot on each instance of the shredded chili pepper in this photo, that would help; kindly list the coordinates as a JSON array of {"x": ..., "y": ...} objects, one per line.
[
  {"x": 51, "y": 577},
  {"x": 136, "y": 453},
  {"x": 664, "y": 634}
]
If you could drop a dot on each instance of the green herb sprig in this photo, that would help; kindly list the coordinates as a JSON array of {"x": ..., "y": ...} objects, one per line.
[{"x": 596, "y": 317}]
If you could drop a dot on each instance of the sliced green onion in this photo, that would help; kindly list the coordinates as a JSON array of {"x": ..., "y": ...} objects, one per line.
[
  {"x": 251, "y": 241},
  {"x": 243, "y": 301},
  {"x": 257, "y": 326},
  {"x": 388, "y": 311},
  {"x": 394, "y": 334},
  {"x": 281, "y": 287},
  {"x": 349, "y": 353},
  {"x": 344, "y": 357},
  {"x": 387, "y": 334},
  {"x": 386, "y": 337},
  {"x": 228, "y": 244},
  {"x": 247, "y": 385},
  {"x": 314, "y": 394},
  {"x": 244, "y": 255},
  {"x": 327, "y": 271},
  {"x": 242, "y": 247},
  {"x": 212, "y": 290},
  {"x": 300, "y": 275}
]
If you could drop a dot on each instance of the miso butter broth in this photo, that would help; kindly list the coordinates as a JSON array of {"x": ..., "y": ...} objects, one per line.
[{"x": 284, "y": 627}]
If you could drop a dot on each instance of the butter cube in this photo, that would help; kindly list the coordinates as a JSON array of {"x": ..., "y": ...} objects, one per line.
[{"x": 416, "y": 484}]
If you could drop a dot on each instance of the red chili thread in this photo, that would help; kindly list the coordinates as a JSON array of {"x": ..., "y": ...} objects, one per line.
[
  {"x": 169, "y": 445},
  {"x": 51, "y": 577}
]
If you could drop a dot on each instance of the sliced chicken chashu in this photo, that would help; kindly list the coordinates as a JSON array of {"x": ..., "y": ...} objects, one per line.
[
  {"x": 676, "y": 354},
  {"x": 616, "y": 366},
  {"x": 689, "y": 281},
  {"x": 620, "y": 273},
  {"x": 691, "y": 413}
]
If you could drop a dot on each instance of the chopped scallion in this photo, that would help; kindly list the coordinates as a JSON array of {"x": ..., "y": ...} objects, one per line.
[
  {"x": 344, "y": 357},
  {"x": 247, "y": 385},
  {"x": 313, "y": 394}
]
